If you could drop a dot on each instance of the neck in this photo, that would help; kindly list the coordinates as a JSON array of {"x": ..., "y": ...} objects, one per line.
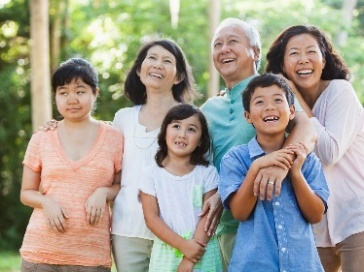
[
  {"x": 178, "y": 166},
  {"x": 78, "y": 124},
  {"x": 271, "y": 143},
  {"x": 231, "y": 82},
  {"x": 160, "y": 103},
  {"x": 310, "y": 95}
]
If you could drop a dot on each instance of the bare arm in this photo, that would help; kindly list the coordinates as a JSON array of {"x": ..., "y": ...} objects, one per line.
[
  {"x": 302, "y": 131},
  {"x": 30, "y": 196},
  {"x": 190, "y": 248},
  {"x": 213, "y": 208},
  {"x": 199, "y": 235},
  {"x": 311, "y": 205},
  {"x": 95, "y": 204},
  {"x": 242, "y": 203}
]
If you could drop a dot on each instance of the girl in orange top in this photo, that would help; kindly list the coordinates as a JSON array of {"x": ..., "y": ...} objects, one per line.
[{"x": 70, "y": 175}]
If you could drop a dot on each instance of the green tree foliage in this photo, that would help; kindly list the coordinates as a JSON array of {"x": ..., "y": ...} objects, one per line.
[{"x": 109, "y": 33}]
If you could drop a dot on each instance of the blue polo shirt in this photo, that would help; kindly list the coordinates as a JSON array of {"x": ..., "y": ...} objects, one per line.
[{"x": 276, "y": 236}]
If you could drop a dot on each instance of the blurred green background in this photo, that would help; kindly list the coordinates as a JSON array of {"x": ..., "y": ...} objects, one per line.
[{"x": 108, "y": 33}]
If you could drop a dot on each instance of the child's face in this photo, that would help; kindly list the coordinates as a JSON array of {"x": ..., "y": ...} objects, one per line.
[
  {"x": 75, "y": 100},
  {"x": 183, "y": 136},
  {"x": 269, "y": 110}
]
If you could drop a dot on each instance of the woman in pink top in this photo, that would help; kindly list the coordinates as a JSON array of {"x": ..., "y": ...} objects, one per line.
[
  {"x": 70, "y": 176},
  {"x": 305, "y": 55}
]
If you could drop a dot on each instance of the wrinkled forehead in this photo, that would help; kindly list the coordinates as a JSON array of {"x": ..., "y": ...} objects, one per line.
[{"x": 230, "y": 29}]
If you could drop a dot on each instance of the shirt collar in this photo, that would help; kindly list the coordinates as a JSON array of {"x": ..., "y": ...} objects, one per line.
[
  {"x": 238, "y": 89},
  {"x": 254, "y": 148}
]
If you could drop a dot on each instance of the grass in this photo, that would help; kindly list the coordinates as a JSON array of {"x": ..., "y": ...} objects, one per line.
[{"x": 10, "y": 262}]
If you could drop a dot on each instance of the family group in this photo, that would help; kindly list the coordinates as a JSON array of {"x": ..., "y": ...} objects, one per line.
[{"x": 266, "y": 176}]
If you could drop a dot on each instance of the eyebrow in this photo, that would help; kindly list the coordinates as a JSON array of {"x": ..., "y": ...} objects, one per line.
[
  {"x": 296, "y": 48},
  {"x": 276, "y": 94}
]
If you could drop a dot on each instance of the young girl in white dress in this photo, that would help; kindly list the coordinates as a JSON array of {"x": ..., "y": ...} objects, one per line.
[{"x": 173, "y": 190}]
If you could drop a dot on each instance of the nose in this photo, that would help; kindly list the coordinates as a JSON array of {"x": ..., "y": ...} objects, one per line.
[
  {"x": 182, "y": 133},
  {"x": 157, "y": 63},
  {"x": 269, "y": 105},
  {"x": 303, "y": 58},
  {"x": 72, "y": 98},
  {"x": 225, "y": 48}
]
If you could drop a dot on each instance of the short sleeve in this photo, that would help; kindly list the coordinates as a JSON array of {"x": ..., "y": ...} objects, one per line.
[
  {"x": 232, "y": 174},
  {"x": 211, "y": 179},
  {"x": 32, "y": 154},
  {"x": 147, "y": 184}
]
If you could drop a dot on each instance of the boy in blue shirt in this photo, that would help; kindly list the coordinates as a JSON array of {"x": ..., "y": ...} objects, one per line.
[{"x": 273, "y": 235}]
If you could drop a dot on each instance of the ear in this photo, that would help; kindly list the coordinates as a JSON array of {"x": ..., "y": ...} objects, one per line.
[
  {"x": 178, "y": 79},
  {"x": 292, "y": 112},
  {"x": 247, "y": 117},
  {"x": 323, "y": 64},
  {"x": 256, "y": 53},
  {"x": 138, "y": 72}
]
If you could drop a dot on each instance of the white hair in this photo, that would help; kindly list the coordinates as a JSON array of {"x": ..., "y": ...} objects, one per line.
[{"x": 250, "y": 31}]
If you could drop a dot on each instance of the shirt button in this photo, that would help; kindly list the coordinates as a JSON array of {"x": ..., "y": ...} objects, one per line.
[
  {"x": 280, "y": 226},
  {"x": 231, "y": 111},
  {"x": 283, "y": 249},
  {"x": 276, "y": 203},
  {"x": 232, "y": 101}
]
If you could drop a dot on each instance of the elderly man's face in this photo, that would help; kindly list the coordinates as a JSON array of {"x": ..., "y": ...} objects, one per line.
[{"x": 232, "y": 54}]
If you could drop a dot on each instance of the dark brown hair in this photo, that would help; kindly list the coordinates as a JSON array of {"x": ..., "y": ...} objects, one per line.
[
  {"x": 183, "y": 92},
  {"x": 181, "y": 112},
  {"x": 335, "y": 67}
]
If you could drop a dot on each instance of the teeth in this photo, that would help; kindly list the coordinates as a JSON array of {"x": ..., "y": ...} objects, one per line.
[
  {"x": 227, "y": 60},
  {"x": 304, "y": 72},
  {"x": 181, "y": 144},
  {"x": 155, "y": 75},
  {"x": 271, "y": 119}
]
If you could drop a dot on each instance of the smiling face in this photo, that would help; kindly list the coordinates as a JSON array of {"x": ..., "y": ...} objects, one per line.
[
  {"x": 233, "y": 56},
  {"x": 75, "y": 100},
  {"x": 269, "y": 110},
  {"x": 183, "y": 136},
  {"x": 303, "y": 62},
  {"x": 158, "y": 69}
]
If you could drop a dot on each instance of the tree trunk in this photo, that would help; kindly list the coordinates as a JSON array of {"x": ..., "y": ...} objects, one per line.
[
  {"x": 346, "y": 18},
  {"x": 39, "y": 63},
  {"x": 213, "y": 84},
  {"x": 56, "y": 32}
]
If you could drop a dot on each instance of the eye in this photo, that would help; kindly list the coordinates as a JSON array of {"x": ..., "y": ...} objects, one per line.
[
  {"x": 175, "y": 126},
  {"x": 233, "y": 41},
  {"x": 217, "y": 44},
  {"x": 80, "y": 92},
  {"x": 62, "y": 93},
  {"x": 191, "y": 130},
  {"x": 151, "y": 57},
  {"x": 278, "y": 100},
  {"x": 293, "y": 53},
  {"x": 258, "y": 102},
  {"x": 168, "y": 61}
]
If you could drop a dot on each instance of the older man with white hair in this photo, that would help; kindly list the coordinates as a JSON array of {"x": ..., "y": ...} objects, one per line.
[{"x": 236, "y": 52}]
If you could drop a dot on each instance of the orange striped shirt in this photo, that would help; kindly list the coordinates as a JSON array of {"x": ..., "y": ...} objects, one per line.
[{"x": 70, "y": 183}]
